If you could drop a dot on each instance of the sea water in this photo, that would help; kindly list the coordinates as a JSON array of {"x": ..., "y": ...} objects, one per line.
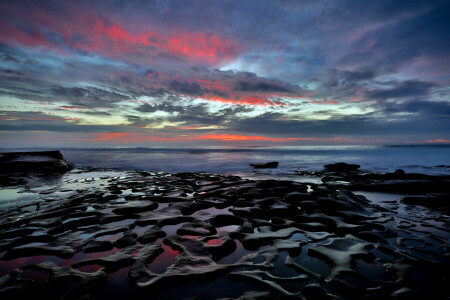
[{"x": 433, "y": 159}]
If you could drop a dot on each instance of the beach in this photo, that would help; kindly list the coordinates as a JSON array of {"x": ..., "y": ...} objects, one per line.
[{"x": 93, "y": 233}]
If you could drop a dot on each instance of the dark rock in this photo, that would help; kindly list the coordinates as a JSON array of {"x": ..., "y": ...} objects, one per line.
[
  {"x": 98, "y": 246},
  {"x": 315, "y": 291},
  {"x": 296, "y": 197},
  {"x": 43, "y": 162},
  {"x": 430, "y": 200},
  {"x": 267, "y": 165},
  {"x": 135, "y": 207},
  {"x": 151, "y": 235},
  {"x": 128, "y": 239},
  {"x": 399, "y": 172},
  {"x": 406, "y": 186},
  {"x": 341, "y": 167},
  {"x": 204, "y": 231},
  {"x": 225, "y": 220}
]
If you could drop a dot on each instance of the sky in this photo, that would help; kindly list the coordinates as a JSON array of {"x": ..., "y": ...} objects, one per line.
[{"x": 154, "y": 73}]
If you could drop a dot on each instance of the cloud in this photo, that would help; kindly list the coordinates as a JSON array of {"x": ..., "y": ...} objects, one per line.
[
  {"x": 89, "y": 96},
  {"x": 347, "y": 80},
  {"x": 266, "y": 87},
  {"x": 265, "y": 68},
  {"x": 421, "y": 108},
  {"x": 12, "y": 72},
  {"x": 8, "y": 57},
  {"x": 198, "y": 115},
  {"x": 404, "y": 89},
  {"x": 358, "y": 126},
  {"x": 96, "y": 33}
]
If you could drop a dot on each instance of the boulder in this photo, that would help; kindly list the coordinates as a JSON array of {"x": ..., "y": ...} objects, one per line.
[
  {"x": 341, "y": 167},
  {"x": 267, "y": 165},
  {"x": 41, "y": 162}
]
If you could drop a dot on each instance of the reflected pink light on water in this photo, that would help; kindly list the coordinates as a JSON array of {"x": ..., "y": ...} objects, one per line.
[
  {"x": 164, "y": 260},
  {"x": 215, "y": 242}
]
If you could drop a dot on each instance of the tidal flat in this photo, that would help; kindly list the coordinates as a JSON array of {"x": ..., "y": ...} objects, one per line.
[{"x": 105, "y": 234}]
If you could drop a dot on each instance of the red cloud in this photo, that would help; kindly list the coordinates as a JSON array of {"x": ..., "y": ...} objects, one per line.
[
  {"x": 252, "y": 100},
  {"x": 213, "y": 86},
  {"x": 93, "y": 33}
]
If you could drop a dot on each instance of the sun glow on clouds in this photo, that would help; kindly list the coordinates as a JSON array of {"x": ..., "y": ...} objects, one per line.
[
  {"x": 127, "y": 137},
  {"x": 94, "y": 33},
  {"x": 205, "y": 73},
  {"x": 436, "y": 141},
  {"x": 133, "y": 137}
]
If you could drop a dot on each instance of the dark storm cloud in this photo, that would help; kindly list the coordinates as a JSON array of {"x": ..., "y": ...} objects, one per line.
[
  {"x": 186, "y": 88},
  {"x": 350, "y": 76},
  {"x": 12, "y": 72},
  {"x": 363, "y": 126},
  {"x": 199, "y": 115},
  {"x": 165, "y": 106},
  {"x": 89, "y": 96},
  {"x": 21, "y": 86},
  {"x": 7, "y": 57},
  {"x": 421, "y": 34},
  {"x": 347, "y": 80},
  {"x": 260, "y": 87},
  {"x": 410, "y": 88},
  {"x": 424, "y": 108},
  {"x": 31, "y": 62}
]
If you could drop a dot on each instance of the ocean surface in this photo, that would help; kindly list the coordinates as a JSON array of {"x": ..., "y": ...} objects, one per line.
[{"x": 428, "y": 159}]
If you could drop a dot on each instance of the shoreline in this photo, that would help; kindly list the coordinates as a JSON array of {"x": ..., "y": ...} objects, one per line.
[{"x": 122, "y": 234}]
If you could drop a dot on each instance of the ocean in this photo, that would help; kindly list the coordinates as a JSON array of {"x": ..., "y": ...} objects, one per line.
[{"x": 428, "y": 159}]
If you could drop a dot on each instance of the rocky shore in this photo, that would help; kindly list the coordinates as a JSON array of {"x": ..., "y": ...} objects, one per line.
[{"x": 100, "y": 234}]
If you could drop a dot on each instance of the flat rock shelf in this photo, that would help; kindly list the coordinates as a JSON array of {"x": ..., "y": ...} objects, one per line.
[{"x": 144, "y": 235}]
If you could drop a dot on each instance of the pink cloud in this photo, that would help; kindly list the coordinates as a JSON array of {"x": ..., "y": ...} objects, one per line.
[{"x": 89, "y": 31}]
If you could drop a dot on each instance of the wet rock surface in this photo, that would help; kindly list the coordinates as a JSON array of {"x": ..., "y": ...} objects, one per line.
[
  {"x": 427, "y": 190},
  {"x": 154, "y": 235}
]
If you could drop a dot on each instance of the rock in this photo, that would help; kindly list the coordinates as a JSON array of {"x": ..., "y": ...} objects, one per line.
[
  {"x": 413, "y": 200},
  {"x": 208, "y": 234},
  {"x": 128, "y": 239},
  {"x": 42, "y": 162},
  {"x": 399, "y": 172},
  {"x": 430, "y": 200},
  {"x": 98, "y": 246},
  {"x": 151, "y": 235},
  {"x": 267, "y": 165},
  {"x": 341, "y": 167}
]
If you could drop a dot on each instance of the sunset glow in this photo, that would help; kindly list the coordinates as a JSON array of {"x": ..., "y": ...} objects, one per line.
[{"x": 98, "y": 72}]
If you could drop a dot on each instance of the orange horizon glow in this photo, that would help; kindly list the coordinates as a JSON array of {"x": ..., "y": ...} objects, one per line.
[
  {"x": 126, "y": 137},
  {"x": 132, "y": 137},
  {"x": 442, "y": 141}
]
